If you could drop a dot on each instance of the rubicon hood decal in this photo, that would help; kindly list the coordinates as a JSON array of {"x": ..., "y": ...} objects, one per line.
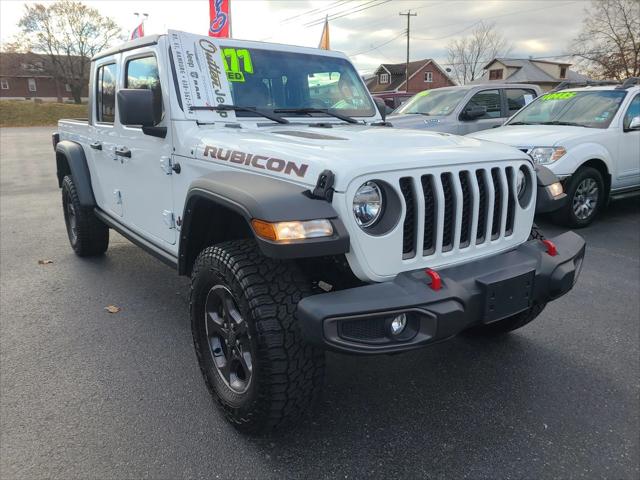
[{"x": 259, "y": 162}]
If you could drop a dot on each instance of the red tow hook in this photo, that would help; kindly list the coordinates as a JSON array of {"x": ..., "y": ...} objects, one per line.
[
  {"x": 552, "y": 250},
  {"x": 436, "y": 281}
]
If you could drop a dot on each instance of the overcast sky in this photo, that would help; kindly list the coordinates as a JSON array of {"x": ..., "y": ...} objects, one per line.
[{"x": 370, "y": 36}]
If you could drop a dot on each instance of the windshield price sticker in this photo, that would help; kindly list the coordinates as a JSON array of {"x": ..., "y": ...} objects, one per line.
[
  {"x": 232, "y": 58},
  {"x": 423, "y": 94},
  {"x": 200, "y": 70},
  {"x": 558, "y": 96}
]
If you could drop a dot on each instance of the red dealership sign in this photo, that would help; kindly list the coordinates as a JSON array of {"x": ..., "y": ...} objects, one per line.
[{"x": 219, "y": 18}]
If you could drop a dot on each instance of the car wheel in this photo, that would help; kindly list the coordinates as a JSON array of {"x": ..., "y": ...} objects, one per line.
[
  {"x": 88, "y": 235},
  {"x": 247, "y": 339},
  {"x": 586, "y": 195}
]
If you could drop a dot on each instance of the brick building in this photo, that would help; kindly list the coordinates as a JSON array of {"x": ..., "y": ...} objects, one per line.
[
  {"x": 24, "y": 76},
  {"x": 423, "y": 75}
]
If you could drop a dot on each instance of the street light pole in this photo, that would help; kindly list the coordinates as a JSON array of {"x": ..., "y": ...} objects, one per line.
[{"x": 408, "y": 15}]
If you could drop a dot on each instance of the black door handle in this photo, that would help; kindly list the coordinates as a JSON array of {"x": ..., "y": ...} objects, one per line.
[
  {"x": 123, "y": 152},
  {"x": 96, "y": 145}
]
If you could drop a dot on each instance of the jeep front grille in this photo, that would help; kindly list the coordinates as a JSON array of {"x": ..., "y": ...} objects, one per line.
[{"x": 460, "y": 209}]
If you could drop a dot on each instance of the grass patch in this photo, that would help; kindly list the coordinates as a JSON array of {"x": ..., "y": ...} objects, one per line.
[{"x": 20, "y": 113}]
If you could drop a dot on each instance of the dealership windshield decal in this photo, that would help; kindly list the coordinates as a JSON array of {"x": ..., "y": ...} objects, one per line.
[
  {"x": 558, "y": 96},
  {"x": 202, "y": 79}
]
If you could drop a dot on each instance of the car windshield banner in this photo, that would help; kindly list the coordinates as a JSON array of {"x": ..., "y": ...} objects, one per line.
[{"x": 201, "y": 76}]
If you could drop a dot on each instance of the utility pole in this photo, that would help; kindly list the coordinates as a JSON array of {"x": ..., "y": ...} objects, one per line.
[{"x": 408, "y": 15}]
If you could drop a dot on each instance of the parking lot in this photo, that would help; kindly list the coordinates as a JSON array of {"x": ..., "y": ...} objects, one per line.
[{"x": 88, "y": 394}]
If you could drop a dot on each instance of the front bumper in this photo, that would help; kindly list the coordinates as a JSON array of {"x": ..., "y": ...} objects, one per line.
[{"x": 357, "y": 320}]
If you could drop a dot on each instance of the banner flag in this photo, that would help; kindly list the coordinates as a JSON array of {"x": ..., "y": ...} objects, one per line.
[
  {"x": 220, "y": 18},
  {"x": 138, "y": 32},
  {"x": 324, "y": 39},
  {"x": 201, "y": 76}
]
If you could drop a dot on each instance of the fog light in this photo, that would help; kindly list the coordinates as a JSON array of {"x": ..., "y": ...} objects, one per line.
[{"x": 398, "y": 324}]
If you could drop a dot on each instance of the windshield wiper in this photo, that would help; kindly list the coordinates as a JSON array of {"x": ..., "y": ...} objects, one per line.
[
  {"x": 328, "y": 111},
  {"x": 570, "y": 124},
  {"x": 522, "y": 123},
  {"x": 235, "y": 108},
  {"x": 417, "y": 113}
]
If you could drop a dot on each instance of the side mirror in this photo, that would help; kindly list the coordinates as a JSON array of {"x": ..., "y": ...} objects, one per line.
[
  {"x": 474, "y": 111},
  {"x": 634, "y": 124},
  {"x": 382, "y": 108},
  {"x": 135, "y": 107}
]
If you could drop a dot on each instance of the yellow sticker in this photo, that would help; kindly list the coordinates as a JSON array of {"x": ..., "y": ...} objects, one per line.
[
  {"x": 422, "y": 94},
  {"x": 232, "y": 58},
  {"x": 558, "y": 96}
]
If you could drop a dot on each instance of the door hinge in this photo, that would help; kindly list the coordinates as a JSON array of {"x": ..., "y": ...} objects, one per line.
[
  {"x": 165, "y": 164},
  {"x": 169, "y": 219}
]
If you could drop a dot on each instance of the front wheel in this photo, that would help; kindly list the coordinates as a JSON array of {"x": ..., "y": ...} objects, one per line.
[
  {"x": 247, "y": 339},
  {"x": 586, "y": 196}
]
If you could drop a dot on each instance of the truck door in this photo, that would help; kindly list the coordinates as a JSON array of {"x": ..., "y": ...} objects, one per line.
[
  {"x": 490, "y": 99},
  {"x": 146, "y": 175},
  {"x": 103, "y": 163},
  {"x": 629, "y": 152}
]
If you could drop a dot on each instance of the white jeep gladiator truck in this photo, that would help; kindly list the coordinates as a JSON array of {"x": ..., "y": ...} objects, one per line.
[{"x": 267, "y": 174}]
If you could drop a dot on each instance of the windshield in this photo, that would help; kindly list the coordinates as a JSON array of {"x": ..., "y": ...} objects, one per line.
[
  {"x": 433, "y": 102},
  {"x": 274, "y": 80},
  {"x": 594, "y": 109}
]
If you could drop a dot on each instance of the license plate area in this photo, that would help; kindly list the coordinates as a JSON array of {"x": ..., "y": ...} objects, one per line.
[{"x": 505, "y": 297}]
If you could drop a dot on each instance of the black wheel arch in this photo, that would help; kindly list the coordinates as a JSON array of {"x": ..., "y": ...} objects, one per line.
[
  {"x": 220, "y": 206},
  {"x": 601, "y": 166},
  {"x": 70, "y": 159}
]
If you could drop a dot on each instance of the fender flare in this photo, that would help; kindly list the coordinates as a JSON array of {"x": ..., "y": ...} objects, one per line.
[
  {"x": 265, "y": 198},
  {"x": 76, "y": 160}
]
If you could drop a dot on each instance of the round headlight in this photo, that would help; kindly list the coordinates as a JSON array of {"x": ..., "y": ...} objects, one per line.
[
  {"x": 521, "y": 183},
  {"x": 367, "y": 204}
]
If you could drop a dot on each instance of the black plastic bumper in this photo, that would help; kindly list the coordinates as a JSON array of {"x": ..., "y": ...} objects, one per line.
[{"x": 357, "y": 320}]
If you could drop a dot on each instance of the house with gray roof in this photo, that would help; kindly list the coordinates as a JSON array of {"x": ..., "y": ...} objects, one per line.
[{"x": 543, "y": 73}]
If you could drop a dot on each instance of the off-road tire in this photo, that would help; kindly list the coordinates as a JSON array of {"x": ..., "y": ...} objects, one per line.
[
  {"x": 287, "y": 373},
  {"x": 89, "y": 236},
  {"x": 566, "y": 215}
]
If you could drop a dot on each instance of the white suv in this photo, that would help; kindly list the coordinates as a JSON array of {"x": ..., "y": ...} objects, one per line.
[{"x": 589, "y": 137}]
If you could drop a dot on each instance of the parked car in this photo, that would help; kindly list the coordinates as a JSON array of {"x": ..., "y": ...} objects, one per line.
[
  {"x": 464, "y": 109},
  {"x": 303, "y": 229},
  {"x": 589, "y": 137}
]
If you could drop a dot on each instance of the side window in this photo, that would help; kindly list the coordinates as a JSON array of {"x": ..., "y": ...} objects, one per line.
[
  {"x": 632, "y": 112},
  {"x": 489, "y": 99},
  {"x": 143, "y": 73},
  {"x": 518, "y": 98},
  {"x": 106, "y": 93}
]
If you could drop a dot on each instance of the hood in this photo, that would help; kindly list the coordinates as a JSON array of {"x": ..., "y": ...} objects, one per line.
[
  {"x": 533, "y": 135},
  {"x": 416, "y": 120},
  {"x": 299, "y": 152}
]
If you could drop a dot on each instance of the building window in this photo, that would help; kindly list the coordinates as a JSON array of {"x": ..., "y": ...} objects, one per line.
[
  {"x": 384, "y": 78},
  {"x": 32, "y": 84},
  {"x": 428, "y": 77},
  {"x": 67, "y": 87},
  {"x": 563, "y": 72},
  {"x": 495, "y": 74},
  {"x": 4, "y": 84}
]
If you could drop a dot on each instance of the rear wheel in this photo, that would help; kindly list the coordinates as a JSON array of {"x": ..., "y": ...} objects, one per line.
[
  {"x": 247, "y": 339},
  {"x": 87, "y": 234}
]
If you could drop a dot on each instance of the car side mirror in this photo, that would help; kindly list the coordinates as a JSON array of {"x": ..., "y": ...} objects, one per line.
[
  {"x": 634, "y": 124},
  {"x": 474, "y": 111},
  {"x": 135, "y": 107},
  {"x": 382, "y": 108}
]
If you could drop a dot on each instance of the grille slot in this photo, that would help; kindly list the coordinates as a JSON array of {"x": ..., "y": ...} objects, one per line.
[
  {"x": 429, "y": 241},
  {"x": 409, "y": 226},
  {"x": 460, "y": 209},
  {"x": 449, "y": 216},
  {"x": 366, "y": 329}
]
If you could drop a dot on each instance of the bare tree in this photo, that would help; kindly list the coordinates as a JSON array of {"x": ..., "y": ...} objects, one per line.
[
  {"x": 609, "y": 44},
  {"x": 69, "y": 34},
  {"x": 467, "y": 56}
]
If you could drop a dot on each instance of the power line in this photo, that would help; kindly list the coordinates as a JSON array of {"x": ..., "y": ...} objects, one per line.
[
  {"x": 316, "y": 10},
  {"x": 349, "y": 12},
  {"x": 378, "y": 46}
]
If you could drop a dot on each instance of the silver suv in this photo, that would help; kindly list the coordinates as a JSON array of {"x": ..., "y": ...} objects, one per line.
[{"x": 465, "y": 109}]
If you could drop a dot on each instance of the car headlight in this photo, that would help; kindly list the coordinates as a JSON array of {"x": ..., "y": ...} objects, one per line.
[
  {"x": 367, "y": 204},
  {"x": 545, "y": 155}
]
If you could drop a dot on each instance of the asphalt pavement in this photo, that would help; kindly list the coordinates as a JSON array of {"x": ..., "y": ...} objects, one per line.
[{"x": 92, "y": 395}]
